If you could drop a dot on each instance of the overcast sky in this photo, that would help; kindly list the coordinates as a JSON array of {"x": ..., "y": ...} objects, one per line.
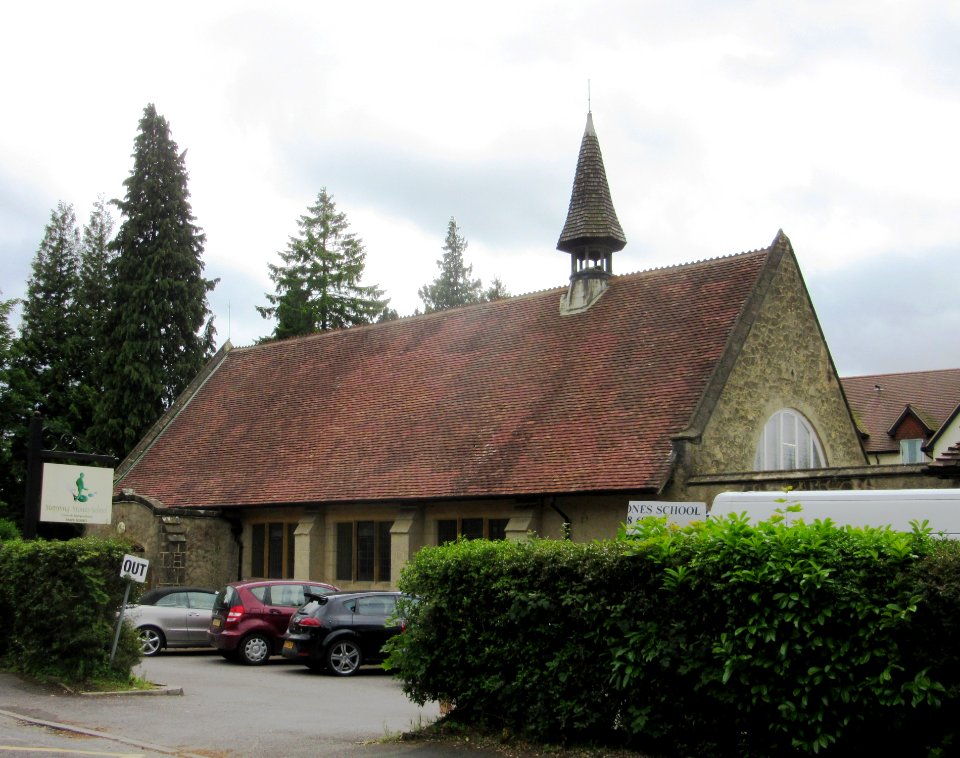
[{"x": 720, "y": 123}]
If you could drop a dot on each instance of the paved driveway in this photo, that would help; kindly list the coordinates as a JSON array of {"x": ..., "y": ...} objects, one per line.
[{"x": 281, "y": 709}]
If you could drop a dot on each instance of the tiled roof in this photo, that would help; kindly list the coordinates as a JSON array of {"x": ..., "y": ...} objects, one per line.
[
  {"x": 880, "y": 400},
  {"x": 497, "y": 399},
  {"x": 591, "y": 217}
]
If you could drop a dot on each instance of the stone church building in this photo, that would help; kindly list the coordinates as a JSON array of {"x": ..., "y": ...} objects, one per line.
[{"x": 336, "y": 456}]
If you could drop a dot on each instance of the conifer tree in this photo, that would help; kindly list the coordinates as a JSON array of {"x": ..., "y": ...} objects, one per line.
[
  {"x": 160, "y": 331},
  {"x": 13, "y": 420},
  {"x": 45, "y": 354},
  {"x": 93, "y": 310},
  {"x": 318, "y": 286},
  {"x": 454, "y": 286}
]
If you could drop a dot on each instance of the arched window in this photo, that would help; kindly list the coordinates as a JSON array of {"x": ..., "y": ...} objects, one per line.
[{"x": 788, "y": 443}]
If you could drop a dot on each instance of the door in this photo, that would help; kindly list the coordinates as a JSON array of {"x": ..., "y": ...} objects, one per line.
[
  {"x": 171, "y": 615},
  {"x": 370, "y": 623},
  {"x": 280, "y": 603},
  {"x": 199, "y": 613}
]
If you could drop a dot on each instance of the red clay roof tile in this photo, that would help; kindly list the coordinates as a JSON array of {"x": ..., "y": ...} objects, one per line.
[
  {"x": 880, "y": 400},
  {"x": 498, "y": 399}
]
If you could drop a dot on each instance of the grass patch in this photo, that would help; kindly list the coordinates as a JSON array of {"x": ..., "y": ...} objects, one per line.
[
  {"x": 111, "y": 682},
  {"x": 131, "y": 684}
]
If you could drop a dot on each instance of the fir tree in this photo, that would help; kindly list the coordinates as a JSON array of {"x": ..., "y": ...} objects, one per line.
[
  {"x": 14, "y": 410},
  {"x": 93, "y": 309},
  {"x": 454, "y": 286},
  {"x": 318, "y": 286},
  {"x": 160, "y": 330},
  {"x": 45, "y": 355}
]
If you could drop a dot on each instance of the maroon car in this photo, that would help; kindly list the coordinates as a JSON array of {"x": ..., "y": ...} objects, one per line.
[{"x": 250, "y": 617}]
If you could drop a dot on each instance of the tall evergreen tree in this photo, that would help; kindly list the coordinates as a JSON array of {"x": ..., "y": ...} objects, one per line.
[
  {"x": 13, "y": 419},
  {"x": 45, "y": 355},
  {"x": 160, "y": 330},
  {"x": 318, "y": 286},
  {"x": 93, "y": 309},
  {"x": 38, "y": 370},
  {"x": 454, "y": 286}
]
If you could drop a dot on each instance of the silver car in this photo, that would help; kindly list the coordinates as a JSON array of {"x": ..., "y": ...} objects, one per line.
[{"x": 169, "y": 617}]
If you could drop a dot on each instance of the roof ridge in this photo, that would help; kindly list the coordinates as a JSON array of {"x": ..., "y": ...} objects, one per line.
[
  {"x": 698, "y": 261},
  {"x": 409, "y": 317},
  {"x": 906, "y": 373},
  {"x": 531, "y": 293}
]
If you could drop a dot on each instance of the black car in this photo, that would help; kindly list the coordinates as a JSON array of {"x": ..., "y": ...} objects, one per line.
[{"x": 342, "y": 631}]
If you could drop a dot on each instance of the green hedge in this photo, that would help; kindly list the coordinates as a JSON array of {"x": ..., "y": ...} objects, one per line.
[
  {"x": 719, "y": 639},
  {"x": 59, "y": 602}
]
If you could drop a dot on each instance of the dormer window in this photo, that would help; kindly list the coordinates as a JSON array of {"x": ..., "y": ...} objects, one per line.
[
  {"x": 788, "y": 443},
  {"x": 910, "y": 451}
]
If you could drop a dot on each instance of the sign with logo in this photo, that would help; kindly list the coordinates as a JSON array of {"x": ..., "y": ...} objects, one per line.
[
  {"x": 680, "y": 514},
  {"x": 76, "y": 494},
  {"x": 134, "y": 568}
]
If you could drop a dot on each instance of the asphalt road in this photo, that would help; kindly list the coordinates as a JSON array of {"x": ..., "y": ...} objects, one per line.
[{"x": 225, "y": 710}]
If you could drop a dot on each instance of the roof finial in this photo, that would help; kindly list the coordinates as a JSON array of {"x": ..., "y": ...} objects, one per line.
[{"x": 589, "y": 107}]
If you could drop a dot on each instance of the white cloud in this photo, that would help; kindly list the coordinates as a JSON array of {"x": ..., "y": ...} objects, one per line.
[{"x": 719, "y": 122}]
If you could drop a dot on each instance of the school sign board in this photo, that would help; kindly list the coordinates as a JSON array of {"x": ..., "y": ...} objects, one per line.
[
  {"x": 76, "y": 494},
  {"x": 680, "y": 514}
]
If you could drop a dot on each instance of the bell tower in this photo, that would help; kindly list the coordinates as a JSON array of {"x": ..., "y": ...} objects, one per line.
[{"x": 592, "y": 232}]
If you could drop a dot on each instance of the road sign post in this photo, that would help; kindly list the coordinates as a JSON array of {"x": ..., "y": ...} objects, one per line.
[{"x": 133, "y": 569}]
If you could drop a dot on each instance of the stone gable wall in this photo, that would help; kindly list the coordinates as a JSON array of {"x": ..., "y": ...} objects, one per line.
[{"x": 784, "y": 363}]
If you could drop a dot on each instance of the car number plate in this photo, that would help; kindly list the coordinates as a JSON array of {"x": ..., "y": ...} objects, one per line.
[{"x": 288, "y": 645}]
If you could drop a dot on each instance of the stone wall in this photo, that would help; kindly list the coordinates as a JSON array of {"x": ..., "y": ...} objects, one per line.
[
  {"x": 784, "y": 362},
  {"x": 185, "y": 547}
]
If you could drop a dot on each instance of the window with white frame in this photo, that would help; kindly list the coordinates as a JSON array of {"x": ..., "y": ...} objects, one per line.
[
  {"x": 910, "y": 451},
  {"x": 788, "y": 443}
]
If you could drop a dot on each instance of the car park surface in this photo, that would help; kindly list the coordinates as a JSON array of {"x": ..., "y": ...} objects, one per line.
[
  {"x": 278, "y": 709},
  {"x": 342, "y": 631},
  {"x": 250, "y": 617},
  {"x": 171, "y": 617}
]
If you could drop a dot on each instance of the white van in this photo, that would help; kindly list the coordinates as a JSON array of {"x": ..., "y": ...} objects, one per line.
[{"x": 893, "y": 508}]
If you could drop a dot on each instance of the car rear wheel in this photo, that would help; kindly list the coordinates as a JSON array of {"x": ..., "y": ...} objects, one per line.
[
  {"x": 255, "y": 650},
  {"x": 344, "y": 658},
  {"x": 151, "y": 640}
]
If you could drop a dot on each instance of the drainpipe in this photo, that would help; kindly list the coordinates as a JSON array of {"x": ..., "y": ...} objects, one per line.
[
  {"x": 236, "y": 529},
  {"x": 567, "y": 525}
]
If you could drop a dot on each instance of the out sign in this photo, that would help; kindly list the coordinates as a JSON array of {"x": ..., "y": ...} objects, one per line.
[{"x": 134, "y": 568}]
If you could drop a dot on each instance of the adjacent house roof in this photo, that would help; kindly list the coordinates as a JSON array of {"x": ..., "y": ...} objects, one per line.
[
  {"x": 507, "y": 398},
  {"x": 881, "y": 402}
]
